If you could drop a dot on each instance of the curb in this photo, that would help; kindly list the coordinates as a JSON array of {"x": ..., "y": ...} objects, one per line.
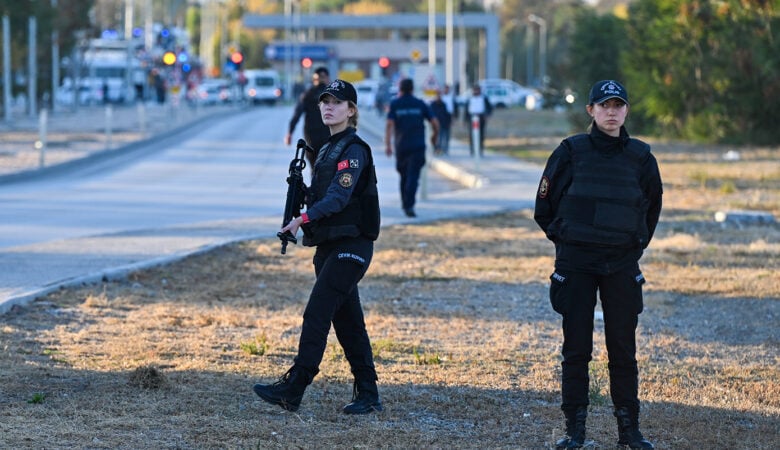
[{"x": 458, "y": 174}]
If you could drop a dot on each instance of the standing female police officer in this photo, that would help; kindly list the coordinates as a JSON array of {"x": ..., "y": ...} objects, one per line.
[
  {"x": 342, "y": 221},
  {"x": 599, "y": 200}
]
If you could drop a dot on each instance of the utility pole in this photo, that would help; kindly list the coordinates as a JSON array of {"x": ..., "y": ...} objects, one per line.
[
  {"x": 7, "y": 68},
  {"x": 449, "y": 72},
  {"x": 431, "y": 35},
  {"x": 542, "y": 47},
  {"x": 32, "y": 69},
  {"x": 55, "y": 61}
]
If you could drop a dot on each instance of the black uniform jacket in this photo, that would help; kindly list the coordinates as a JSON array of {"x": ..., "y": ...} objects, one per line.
[{"x": 553, "y": 186}]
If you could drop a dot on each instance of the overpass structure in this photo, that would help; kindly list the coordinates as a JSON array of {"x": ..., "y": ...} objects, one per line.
[{"x": 486, "y": 24}]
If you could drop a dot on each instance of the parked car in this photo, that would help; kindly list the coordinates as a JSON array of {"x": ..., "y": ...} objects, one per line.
[
  {"x": 86, "y": 95},
  {"x": 262, "y": 86},
  {"x": 367, "y": 91},
  {"x": 506, "y": 94},
  {"x": 212, "y": 91}
]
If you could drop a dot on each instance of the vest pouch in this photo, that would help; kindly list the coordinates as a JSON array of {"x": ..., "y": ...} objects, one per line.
[
  {"x": 311, "y": 237},
  {"x": 612, "y": 216}
]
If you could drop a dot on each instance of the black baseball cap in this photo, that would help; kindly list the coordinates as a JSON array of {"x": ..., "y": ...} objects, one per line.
[
  {"x": 342, "y": 90},
  {"x": 607, "y": 89}
]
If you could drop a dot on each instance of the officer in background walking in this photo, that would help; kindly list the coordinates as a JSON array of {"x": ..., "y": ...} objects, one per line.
[
  {"x": 599, "y": 201},
  {"x": 315, "y": 133},
  {"x": 342, "y": 221},
  {"x": 405, "y": 128}
]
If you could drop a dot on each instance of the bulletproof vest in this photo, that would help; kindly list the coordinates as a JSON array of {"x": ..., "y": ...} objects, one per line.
[
  {"x": 361, "y": 215},
  {"x": 604, "y": 205}
]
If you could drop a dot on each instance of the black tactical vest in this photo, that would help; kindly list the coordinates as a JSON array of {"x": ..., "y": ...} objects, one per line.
[
  {"x": 604, "y": 205},
  {"x": 361, "y": 215}
]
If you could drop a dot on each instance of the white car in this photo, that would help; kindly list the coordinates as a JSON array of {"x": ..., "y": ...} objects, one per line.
[
  {"x": 506, "y": 93},
  {"x": 212, "y": 91},
  {"x": 86, "y": 96},
  {"x": 367, "y": 91}
]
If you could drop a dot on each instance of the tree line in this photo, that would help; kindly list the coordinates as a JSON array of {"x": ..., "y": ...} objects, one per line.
[{"x": 705, "y": 71}]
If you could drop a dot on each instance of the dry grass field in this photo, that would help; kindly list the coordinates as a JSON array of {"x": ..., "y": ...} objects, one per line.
[{"x": 466, "y": 344}]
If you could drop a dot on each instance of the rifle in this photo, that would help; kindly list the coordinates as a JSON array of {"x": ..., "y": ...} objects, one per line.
[{"x": 296, "y": 192}]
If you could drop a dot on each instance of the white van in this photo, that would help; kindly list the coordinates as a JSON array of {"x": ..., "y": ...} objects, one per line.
[{"x": 262, "y": 86}]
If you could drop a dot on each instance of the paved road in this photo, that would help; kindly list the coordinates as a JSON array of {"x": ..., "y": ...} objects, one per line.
[{"x": 217, "y": 183}]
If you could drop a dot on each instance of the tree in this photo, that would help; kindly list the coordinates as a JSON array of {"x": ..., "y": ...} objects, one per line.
[
  {"x": 703, "y": 70},
  {"x": 595, "y": 52},
  {"x": 67, "y": 18}
]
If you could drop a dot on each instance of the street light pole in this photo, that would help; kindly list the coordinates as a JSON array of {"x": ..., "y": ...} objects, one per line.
[
  {"x": 288, "y": 49},
  {"x": 55, "y": 61},
  {"x": 431, "y": 35},
  {"x": 449, "y": 73},
  {"x": 542, "y": 47}
]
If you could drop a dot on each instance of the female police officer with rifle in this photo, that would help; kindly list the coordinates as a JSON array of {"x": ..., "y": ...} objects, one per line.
[{"x": 342, "y": 221}]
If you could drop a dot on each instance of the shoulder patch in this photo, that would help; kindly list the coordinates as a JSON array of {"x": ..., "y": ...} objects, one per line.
[
  {"x": 354, "y": 163},
  {"x": 345, "y": 180},
  {"x": 544, "y": 187},
  {"x": 342, "y": 165}
]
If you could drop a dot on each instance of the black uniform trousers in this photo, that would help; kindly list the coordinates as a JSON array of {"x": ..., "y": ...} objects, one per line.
[
  {"x": 409, "y": 165},
  {"x": 573, "y": 295},
  {"x": 339, "y": 266}
]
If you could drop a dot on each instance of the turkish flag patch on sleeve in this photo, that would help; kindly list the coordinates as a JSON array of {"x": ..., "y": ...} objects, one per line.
[{"x": 343, "y": 165}]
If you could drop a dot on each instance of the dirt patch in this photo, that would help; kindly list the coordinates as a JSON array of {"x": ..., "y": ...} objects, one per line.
[{"x": 466, "y": 344}]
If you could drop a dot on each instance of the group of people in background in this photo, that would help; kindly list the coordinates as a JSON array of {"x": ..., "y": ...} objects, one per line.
[
  {"x": 446, "y": 110},
  {"x": 405, "y": 132},
  {"x": 598, "y": 201}
]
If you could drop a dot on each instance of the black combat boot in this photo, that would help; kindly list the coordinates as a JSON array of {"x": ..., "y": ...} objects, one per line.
[
  {"x": 288, "y": 391},
  {"x": 575, "y": 428},
  {"x": 365, "y": 398},
  {"x": 628, "y": 429}
]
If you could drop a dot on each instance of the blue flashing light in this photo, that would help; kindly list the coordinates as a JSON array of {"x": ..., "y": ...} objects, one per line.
[
  {"x": 165, "y": 33},
  {"x": 109, "y": 34}
]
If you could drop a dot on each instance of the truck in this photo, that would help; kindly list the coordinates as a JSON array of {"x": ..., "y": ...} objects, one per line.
[{"x": 108, "y": 70}]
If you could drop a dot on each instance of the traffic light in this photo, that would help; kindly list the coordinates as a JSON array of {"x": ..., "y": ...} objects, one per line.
[
  {"x": 169, "y": 58},
  {"x": 384, "y": 63},
  {"x": 237, "y": 59},
  {"x": 306, "y": 63}
]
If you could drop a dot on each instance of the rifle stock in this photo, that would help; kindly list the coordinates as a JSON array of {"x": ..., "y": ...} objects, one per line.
[{"x": 296, "y": 192}]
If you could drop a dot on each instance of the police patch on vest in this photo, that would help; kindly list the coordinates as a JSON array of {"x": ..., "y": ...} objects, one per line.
[
  {"x": 348, "y": 164},
  {"x": 345, "y": 180},
  {"x": 544, "y": 187}
]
